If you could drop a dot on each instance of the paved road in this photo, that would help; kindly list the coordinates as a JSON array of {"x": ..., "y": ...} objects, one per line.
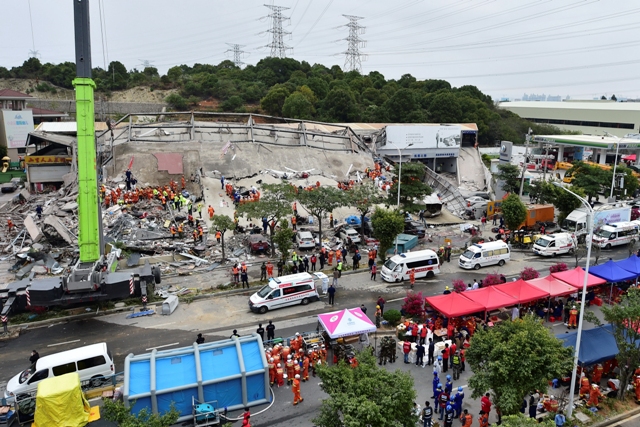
[
  {"x": 633, "y": 421},
  {"x": 216, "y": 318}
]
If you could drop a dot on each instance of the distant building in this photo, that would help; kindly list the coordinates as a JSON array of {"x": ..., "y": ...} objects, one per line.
[{"x": 587, "y": 117}]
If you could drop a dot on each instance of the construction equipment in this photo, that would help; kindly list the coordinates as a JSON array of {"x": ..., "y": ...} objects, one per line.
[{"x": 92, "y": 277}]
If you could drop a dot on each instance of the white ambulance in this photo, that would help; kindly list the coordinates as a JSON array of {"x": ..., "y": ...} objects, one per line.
[
  {"x": 555, "y": 244},
  {"x": 425, "y": 263},
  {"x": 483, "y": 254},
  {"x": 616, "y": 233},
  {"x": 284, "y": 291}
]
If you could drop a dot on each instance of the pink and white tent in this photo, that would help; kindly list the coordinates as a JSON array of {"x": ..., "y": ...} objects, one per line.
[{"x": 347, "y": 322}]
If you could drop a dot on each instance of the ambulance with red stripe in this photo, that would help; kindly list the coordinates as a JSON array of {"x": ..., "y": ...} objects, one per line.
[
  {"x": 284, "y": 291},
  {"x": 616, "y": 233},
  {"x": 425, "y": 263}
]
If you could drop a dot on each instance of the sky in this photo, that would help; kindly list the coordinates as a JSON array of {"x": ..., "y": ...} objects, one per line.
[{"x": 577, "y": 48}]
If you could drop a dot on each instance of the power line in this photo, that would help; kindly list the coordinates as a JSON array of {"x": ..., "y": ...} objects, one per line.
[
  {"x": 353, "y": 57},
  {"x": 237, "y": 53},
  {"x": 278, "y": 48},
  {"x": 33, "y": 52}
]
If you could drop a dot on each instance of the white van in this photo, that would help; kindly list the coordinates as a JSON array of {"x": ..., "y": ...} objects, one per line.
[
  {"x": 91, "y": 362},
  {"x": 286, "y": 290},
  {"x": 483, "y": 254},
  {"x": 396, "y": 268},
  {"x": 617, "y": 233},
  {"x": 555, "y": 244},
  {"x": 305, "y": 240}
]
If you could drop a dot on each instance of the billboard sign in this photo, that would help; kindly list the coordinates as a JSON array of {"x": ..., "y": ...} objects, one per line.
[
  {"x": 17, "y": 125},
  {"x": 445, "y": 137}
]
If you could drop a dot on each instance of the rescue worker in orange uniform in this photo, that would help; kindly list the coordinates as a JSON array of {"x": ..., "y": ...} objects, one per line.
[
  {"x": 173, "y": 231},
  {"x": 305, "y": 370},
  {"x": 211, "y": 212},
  {"x": 597, "y": 373},
  {"x": 573, "y": 318},
  {"x": 218, "y": 236},
  {"x": 295, "y": 344},
  {"x": 285, "y": 352},
  {"x": 330, "y": 259},
  {"x": 636, "y": 384},
  {"x": 412, "y": 277},
  {"x": 272, "y": 371},
  {"x": 183, "y": 182},
  {"x": 594, "y": 395},
  {"x": 294, "y": 221},
  {"x": 195, "y": 236},
  {"x": 323, "y": 354},
  {"x": 296, "y": 367},
  {"x": 10, "y": 224},
  {"x": 584, "y": 386},
  {"x": 269, "y": 270},
  {"x": 280, "y": 375},
  {"x": 296, "y": 390},
  {"x": 290, "y": 369}
]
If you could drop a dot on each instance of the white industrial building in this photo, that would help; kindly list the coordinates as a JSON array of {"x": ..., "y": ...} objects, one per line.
[{"x": 587, "y": 117}]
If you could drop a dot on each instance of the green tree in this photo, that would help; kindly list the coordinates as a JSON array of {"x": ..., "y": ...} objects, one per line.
[
  {"x": 366, "y": 395},
  {"x": 363, "y": 197},
  {"x": 514, "y": 211},
  {"x": 274, "y": 204},
  {"x": 591, "y": 179},
  {"x": 513, "y": 358},
  {"x": 223, "y": 223},
  {"x": 509, "y": 175},
  {"x": 284, "y": 239},
  {"x": 412, "y": 188},
  {"x": 445, "y": 108},
  {"x": 543, "y": 191},
  {"x": 625, "y": 319},
  {"x": 401, "y": 104},
  {"x": 320, "y": 201},
  {"x": 117, "y": 412},
  {"x": 520, "y": 420},
  {"x": 387, "y": 224},
  {"x": 566, "y": 202},
  {"x": 273, "y": 102},
  {"x": 232, "y": 104},
  {"x": 176, "y": 102},
  {"x": 340, "y": 105},
  {"x": 298, "y": 106}
]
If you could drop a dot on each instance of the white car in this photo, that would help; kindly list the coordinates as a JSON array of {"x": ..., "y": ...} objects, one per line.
[
  {"x": 346, "y": 233},
  {"x": 305, "y": 240},
  {"x": 475, "y": 199}
]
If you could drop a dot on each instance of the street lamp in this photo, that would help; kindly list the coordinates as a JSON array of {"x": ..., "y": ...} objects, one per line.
[
  {"x": 584, "y": 294},
  {"x": 399, "y": 176},
  {"x": 615, "y": 163}
]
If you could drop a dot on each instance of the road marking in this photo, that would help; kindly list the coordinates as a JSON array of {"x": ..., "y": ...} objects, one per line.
[
  {"x": 162, "y": 346},
  {"x": 162, "y": 324},
  {"x": 62, "y": 343},
  {"x": 624, "y": 421},
  {"x": 397, "y": 299}
]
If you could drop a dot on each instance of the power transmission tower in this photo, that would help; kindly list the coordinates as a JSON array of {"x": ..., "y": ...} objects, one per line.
[
  {"x": 278, "y": 48},
  {"x": 145, "y": 63},
  {"x": 237, "y": 53},
  {"x": 353, "y": 58}
]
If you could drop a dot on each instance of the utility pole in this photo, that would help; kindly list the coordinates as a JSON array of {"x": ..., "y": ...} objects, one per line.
[
  {"x": 353, "y": 58},
  {"x": 237, "y": 53},
  {"x": 524, "y": 164},
  {"x": 278, "y": 48}
]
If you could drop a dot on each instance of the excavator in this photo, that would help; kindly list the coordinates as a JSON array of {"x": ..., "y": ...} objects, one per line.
[{"x": 93, "y": 276}]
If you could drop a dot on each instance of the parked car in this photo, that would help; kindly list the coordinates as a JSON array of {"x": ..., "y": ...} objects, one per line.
[
  {"x": 415, "y": 228},
  {"x": 346, "y": 233},
  {"x": 257, "y": 243},
  {"x": 305, "y": 240},
  {"x": 9, "y": 187},
  {"x": 475, "y": 199}
]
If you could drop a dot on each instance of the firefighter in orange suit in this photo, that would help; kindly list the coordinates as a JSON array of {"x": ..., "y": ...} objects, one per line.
[
  {"x": 584, "y": 386},
  {"x": 594, "y": 395},
  {"x": 272, "y": 371},
  {"x": 597, "y": 373},
  {"x": 296, "y": 390},
  {"x": 290, "y": 369},
  {"x": 280, "y": 375},
  {"x": 305, "y": 370},
  {"x": 573, "y": 318},
  {"x": 636, "y": 384}
]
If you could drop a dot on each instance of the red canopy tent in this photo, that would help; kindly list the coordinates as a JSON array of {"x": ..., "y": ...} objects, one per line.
[
  {"x": 491, "y": 298},
  {"x": 555, "y": 287},
  {"x": 522, "y": 291},
  {"x": 575, "y": 278},
  {"x": 454, "y": 305}
]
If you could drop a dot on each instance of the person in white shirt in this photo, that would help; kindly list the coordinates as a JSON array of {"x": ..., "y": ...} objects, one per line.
[
  {"x": 475, "y": 284},
  {"x": 515, "y": 313}
]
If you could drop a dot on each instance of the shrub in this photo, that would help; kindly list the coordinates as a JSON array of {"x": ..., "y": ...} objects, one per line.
[
  {"x": 392, "y": 316},
  {"x": 492, "y": 279},
  {"x": 557, "y": 268},
  {"x": 529, "y": 273},
  {"x": 413, "y": 304},
  {"x": 459, "y": 285}
]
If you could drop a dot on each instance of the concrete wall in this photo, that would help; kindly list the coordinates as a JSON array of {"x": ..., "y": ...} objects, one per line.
[{"x": 108, "y": 107}]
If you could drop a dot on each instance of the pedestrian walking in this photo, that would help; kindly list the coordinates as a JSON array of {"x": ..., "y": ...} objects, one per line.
[
  {"x": 39, "y": 211},
  {"x": 381, "y": 302},
  {"x": 430, "y": 350},
  {"x": 271, "y": 331},
  {"x": 245, "y": 278},
  {"x": 420, "y": 355},
  {"x": 374, "y": 271},
  {"x": 336, "y": 275},
  {"x": 445, "y": 358},
  {"x": 485, "y": 404},
  {"x": 447, "y": 252},
  {"x": 263, "y": 271},
  {"x": 363, "y": 308},
  {"x": 260, "y": 331},
  {"x": 332, "y": 292},
  {"x": 427, "y": 415},
  {"x": 222, "y": 181},
  {"x": 412, "y": 277},
  {"x": 314, "y": 259},
  {"x": 483, "y": 222}
]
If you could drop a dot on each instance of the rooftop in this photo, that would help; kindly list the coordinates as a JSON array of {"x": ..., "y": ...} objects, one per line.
[
  {"x": 574, "y": 105},
  {"x": 13, "y": 94}
]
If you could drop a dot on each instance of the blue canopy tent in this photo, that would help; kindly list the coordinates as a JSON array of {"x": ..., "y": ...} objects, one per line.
[
  {"x": 596, "y": 345},
  {"x": 612, "y": 273},
  {"x": 232, "y": 373},
  {"x": 631, "y": 264}
]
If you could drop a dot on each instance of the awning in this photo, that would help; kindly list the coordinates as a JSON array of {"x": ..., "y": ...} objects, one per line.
[
  {"x": 575, "y": 278},
  {"x": 612, "y": 272},
  {"x": 455, "y": 305},
  {"x": 491, "y": 298},
  {"x": 631, "y": 264},
  {"x": 522, "y": 291},
  {"x": 629, "y": 157},
  {"x": 596, "y": 345},
  {"x": 555, "y": 287},
  {"x": 347, "y": 322}
]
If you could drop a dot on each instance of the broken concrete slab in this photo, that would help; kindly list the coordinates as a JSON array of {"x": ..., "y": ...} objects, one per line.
[
  {"x": 70, "y": 207},
  {"x": 32, "y": 228},
  {"x": 57, "y": 230}
]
